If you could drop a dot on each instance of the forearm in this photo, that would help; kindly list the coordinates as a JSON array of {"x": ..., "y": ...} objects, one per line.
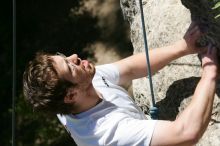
[
  {"x": 192, "y": 122},
  {"x": 204, "y": 97},
  {"x": 162, "y": 56},
  {"x": 196, "y": 116},
  {"x": 135, "y": 66},
  {"x": 159, "y": 57}
]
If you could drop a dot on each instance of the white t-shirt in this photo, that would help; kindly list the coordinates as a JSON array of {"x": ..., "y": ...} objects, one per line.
[{"x": 116, "y": 121}]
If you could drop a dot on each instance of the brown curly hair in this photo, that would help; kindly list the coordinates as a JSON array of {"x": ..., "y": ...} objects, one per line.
[{"x": 42, "y": 87}]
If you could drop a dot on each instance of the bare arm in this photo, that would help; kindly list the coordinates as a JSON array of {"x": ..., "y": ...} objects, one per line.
[
  {"x": 192, "y": 122},
  {"x": 135, "y": 66}
]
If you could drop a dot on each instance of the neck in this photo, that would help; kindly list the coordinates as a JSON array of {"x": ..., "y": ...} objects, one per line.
[{"x": 88, "y": 99}]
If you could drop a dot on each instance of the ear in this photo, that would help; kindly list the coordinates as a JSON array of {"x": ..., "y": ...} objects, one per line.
[{"x": 70, "y": 96}]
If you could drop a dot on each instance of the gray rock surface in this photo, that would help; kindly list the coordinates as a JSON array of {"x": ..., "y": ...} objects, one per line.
[{"x": 166, "y": 22}]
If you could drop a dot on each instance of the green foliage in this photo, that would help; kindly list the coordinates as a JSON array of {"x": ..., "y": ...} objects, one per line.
[
  {"x": 216, "y": 8},
  {"x": 217, "y": 16},
  {"x": 217, "y": 5}
]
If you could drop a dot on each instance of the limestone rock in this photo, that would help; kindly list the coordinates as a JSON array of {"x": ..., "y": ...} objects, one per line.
[{"x": 166, "y": 22}]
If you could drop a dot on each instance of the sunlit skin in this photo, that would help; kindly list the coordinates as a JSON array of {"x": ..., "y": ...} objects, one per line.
[
  {"x": 81, "y": 73},
  {"x": 74, "y": 69},
  {"x": 190, "y": 125}
]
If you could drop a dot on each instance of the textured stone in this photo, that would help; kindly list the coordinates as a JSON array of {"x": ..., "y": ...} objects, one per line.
[
  {"x": 204, "y": 13},
  {"x": 166, "y": 22}
]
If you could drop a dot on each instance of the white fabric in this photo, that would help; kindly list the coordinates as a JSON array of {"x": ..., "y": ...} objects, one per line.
[{"x": 116, "y": 121}]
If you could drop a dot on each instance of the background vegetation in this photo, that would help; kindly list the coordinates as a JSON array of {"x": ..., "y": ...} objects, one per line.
[{"x": 69, "y": 26}]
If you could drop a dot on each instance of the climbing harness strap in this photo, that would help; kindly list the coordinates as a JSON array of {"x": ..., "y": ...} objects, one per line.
[{"x": 153, "y": 109}]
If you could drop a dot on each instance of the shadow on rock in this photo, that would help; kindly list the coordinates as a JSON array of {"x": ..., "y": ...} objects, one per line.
[{"x": 178, "y": 92}]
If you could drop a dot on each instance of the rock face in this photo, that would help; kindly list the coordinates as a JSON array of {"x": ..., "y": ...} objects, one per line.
[
  {"x": 166, "y": 22},
  {"x": 207, "y": 14}
]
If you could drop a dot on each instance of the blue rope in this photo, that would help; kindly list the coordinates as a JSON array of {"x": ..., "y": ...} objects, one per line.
[{"x": 153, "y": 109}]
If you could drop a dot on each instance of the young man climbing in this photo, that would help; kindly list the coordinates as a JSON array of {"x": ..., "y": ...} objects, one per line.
[{"x": 90, "y": 102}]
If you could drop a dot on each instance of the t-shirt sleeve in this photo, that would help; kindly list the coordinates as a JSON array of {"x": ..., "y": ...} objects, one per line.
[
  {"x": 130, "y": 132},
  {"x": 109, "y": 71}
]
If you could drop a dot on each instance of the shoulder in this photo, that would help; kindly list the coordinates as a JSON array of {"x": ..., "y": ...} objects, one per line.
[
  {"x": 107, "y": 68},
  {"x": 109, "y": 72}
]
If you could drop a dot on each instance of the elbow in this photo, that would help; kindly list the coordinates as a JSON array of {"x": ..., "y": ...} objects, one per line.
[
  {"x": 190, "y": 134},
  {"x": 193, "y": 134},
  {"x": 193, "y": 137}
]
